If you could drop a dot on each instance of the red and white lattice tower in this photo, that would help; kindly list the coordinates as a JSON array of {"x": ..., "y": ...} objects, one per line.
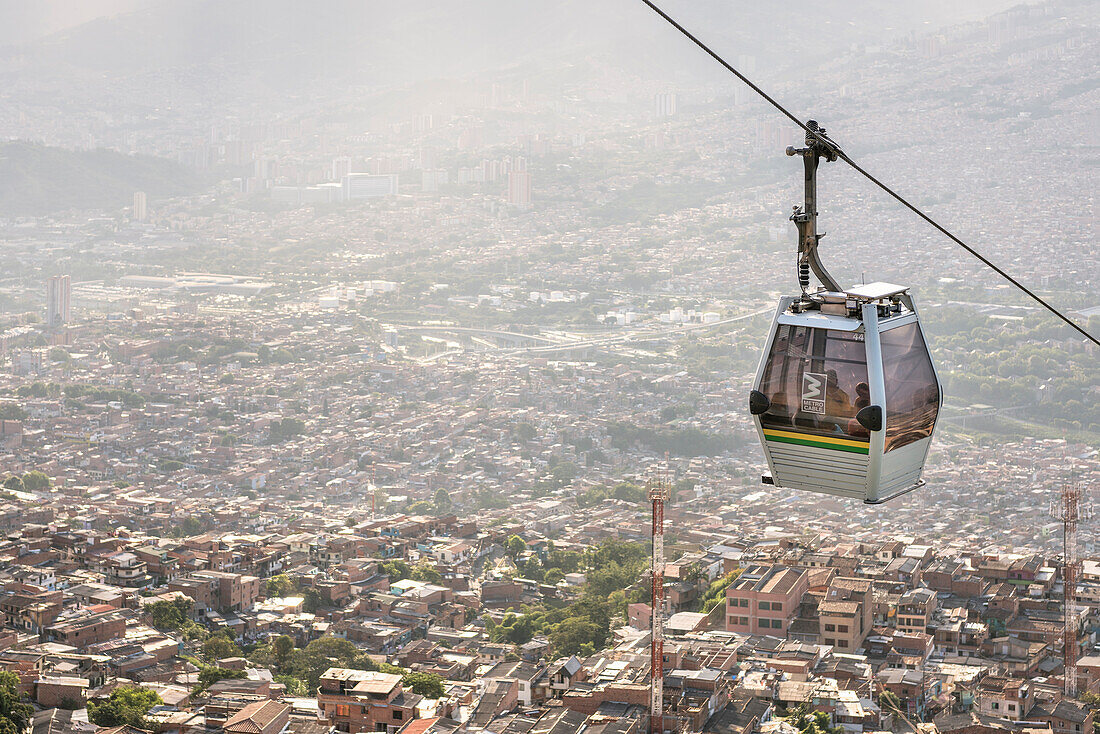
[
  {"x": 658, "y": 494},
  {"x": 373, "y": 493},
  {"x": 1071, "y": 509}
]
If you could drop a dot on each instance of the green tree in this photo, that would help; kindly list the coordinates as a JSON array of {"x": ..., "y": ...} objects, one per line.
[
  {"x": 262, "y": 656},
  {"x": 397, "y": 570},
  {"x": 812, "y": 722},
  {"x": 889, "y": 701},
  {"x": 442, "y": 501},
  {"x": 169, "y": 465},
  {"x": 14, "y": 715},
  {"x": 294, "y": 686},
  {"x": 169, "y": 614},
  {"x": 515, "y": 545},
  {"x": 429, "y": 685},
  {"x": 211, "y": 674},
  {"x": 516, "y": 630},
  {"x": 426, "y": 572},
  {"x": 716, "y": 592},
  {"x": 568, "y": 561},
  {"x": 287, "y": 428},
  {"x": 576, "y": 636},
  {"x": 218, "y": 647},
  {"x": 127, "y": 706},
  {"x": 279, "y": 585},
  {"x": 307, "y": 663},
  {"x": 12, "y": 412},
  {"x": 13, "y": 484},
  {"x": 313, "y": 600},
  {"x": 36, "y": 481},
  {"x": 283, "y": 646}
]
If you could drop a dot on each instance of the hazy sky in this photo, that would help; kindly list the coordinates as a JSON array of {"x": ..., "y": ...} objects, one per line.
[{"x": 26, "y": 20}]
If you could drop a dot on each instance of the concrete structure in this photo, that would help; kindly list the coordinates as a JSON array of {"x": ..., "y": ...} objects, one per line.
[
  {"x": 59, "y": 296},
  {"x": 764, "y": 600},
  {"x": 359, "y": 700}
]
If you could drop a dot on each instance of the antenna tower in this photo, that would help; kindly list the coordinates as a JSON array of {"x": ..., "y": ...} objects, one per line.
[
  {"x": 658, "y": 495},
  {"x": 1072, "y": 507}
]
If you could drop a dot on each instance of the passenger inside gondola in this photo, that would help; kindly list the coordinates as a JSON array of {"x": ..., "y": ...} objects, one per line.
[
  {"x": 810, "y": 378},
  {"x": 780, "y": 411},
  {"x": 838, "y": 406},
  {"x": 863, "y": 400}
]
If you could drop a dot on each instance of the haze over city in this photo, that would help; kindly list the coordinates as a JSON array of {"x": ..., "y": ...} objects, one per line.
[{"x": 387, "y": 367}]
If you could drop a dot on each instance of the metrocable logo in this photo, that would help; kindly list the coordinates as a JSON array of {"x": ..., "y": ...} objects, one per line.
[{"x": 813, "y": 393}]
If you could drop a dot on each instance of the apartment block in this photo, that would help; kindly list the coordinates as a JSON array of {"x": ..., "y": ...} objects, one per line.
[{"x": 764, "y": 600}]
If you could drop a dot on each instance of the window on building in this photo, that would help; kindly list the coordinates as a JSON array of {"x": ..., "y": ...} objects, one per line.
[
  {"x": 342, "y": 709},
  {"x": 777, "y": 606},
  {"x": 842, "y": 643},
  {"x": 745, "y": 621},
  {"x": 777, "y": 623},
  {"x": 765, "y": 605},
  {"x": 829, "y": 642},
  {"x": 398, "y": 714},
  {"x": 1011, "y": 707},
  {"x": 842, "y": 628},
  {"x": 996, "y": 706},
  {"x": 742, "y": 602},
  {"x": 830, "y": 628}
]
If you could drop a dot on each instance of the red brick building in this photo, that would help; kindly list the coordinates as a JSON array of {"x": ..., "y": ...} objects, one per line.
[
  {"x": 764, "y": 600},
  {"x": 96, "y": 624},
  {"x": 361, "y": 700}
]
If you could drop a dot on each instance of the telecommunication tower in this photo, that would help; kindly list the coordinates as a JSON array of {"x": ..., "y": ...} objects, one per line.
[
  {"x": 1071, "y": 508},
  {"x": 658, "y": 495}
]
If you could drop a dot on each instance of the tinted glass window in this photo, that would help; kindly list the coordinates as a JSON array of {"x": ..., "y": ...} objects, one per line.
[
  {"x": 912, "y": 395},
  {"x": 816, "y": 380}
]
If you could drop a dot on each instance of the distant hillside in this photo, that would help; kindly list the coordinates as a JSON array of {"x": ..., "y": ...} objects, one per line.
[
  {"x": 22, "y": 21},
  {"x": 36, "y": 179},
  {"x": 224, "y": 46}
]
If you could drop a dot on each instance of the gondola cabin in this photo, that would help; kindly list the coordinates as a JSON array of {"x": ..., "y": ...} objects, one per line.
[{"x": 846, "y": 398}]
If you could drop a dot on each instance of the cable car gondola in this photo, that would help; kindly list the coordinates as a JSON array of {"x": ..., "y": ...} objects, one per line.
[{"x": 846, "y": 397}]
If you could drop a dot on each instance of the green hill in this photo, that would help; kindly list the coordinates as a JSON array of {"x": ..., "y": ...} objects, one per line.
[{"x": 36, "y": 179}]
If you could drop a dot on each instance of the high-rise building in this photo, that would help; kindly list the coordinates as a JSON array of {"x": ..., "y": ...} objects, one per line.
[
  {"x": 341, "y": 167},
  {"x": 433, "y": 178},
  {"x": 58, "y": 299},
  {"x": 140, "y": 208},
  {"x": 664, "y": 104},
  {"x": 367, "y": 186},
  {"x": 519, "y": 189}
]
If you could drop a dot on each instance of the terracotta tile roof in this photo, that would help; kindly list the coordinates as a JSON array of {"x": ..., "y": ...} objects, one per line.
[{"x": 256, "y": 717}]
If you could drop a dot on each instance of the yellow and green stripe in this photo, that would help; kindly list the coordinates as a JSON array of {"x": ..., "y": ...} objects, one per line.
[{"x": 821, "y": 442}]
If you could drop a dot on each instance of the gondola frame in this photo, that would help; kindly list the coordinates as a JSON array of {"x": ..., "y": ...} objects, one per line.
[{"x": 903, "y": 466}]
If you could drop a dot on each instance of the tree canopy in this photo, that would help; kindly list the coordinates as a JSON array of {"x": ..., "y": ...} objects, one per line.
[
  {"x": 128, "y": 705},
  {"x": 218, "y": 647},
  {"x": 169, "y": 614},
  {"x": 424, "y": 684},
  {"x": 14, "y": 715}
]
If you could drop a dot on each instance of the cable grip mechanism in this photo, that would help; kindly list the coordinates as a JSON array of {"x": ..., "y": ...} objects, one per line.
[{"x": 818, "y": 146}]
